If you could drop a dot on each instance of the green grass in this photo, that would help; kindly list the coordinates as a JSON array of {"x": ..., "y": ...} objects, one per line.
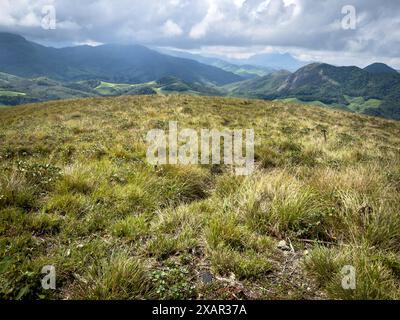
[
  {"x": 107, "y": 88},
  {"x": 311, "y": 103},
  {"x": 11, "y": 93},
  {"x": 172, "y": 86},
  {"x": 355, "y": 104},
  {"x": 360, "y": 105},
  {"x": 76, "y": 192}
]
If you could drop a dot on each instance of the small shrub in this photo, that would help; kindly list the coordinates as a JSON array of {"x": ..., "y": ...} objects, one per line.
[
  {"x": 173, "y": 282},
  {"x": 121, "y": 277},
  {"x": 244, "y": 265},
  {"x": 131, "y": 228}
]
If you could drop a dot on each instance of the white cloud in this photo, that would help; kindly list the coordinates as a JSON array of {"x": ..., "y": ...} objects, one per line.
[
  {"x": 172, "y": 29},
  {"x": 302, "y": 26},
  {"x": 89, "y": 42},
  {"x": 30, "y": 20},
  {"x": 68, "y": 25},
  {"x": 239, "y": 3},
  {"x": 213, "y": 15}
]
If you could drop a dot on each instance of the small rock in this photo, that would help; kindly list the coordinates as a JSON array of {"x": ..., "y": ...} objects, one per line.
[
  {"x": 206, "y": 277},
  {"x": 283, "y": 246}
]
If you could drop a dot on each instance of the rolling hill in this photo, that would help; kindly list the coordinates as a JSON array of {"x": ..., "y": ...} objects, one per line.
[
  {"x": 259, "y": 87},
  {"x": 16, "y": 90},
  {"x": 331, "y": 85},
  {"x": 380, "y": 68},
  {"x": 165, "y": 85}
]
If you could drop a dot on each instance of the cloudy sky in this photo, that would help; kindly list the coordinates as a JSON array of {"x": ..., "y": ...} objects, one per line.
[{"x": 311, "y": 30}]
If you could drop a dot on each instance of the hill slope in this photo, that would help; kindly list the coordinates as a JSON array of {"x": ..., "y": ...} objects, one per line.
[
  {"x": 380, "y": 68},
  {"x": 261, "y": 87},
  {"x": 15, "y": 90},
  {"x": 76, "y": 192},
  {"x": 337, "y": 86},
  {"x": 112, "y": 63}
]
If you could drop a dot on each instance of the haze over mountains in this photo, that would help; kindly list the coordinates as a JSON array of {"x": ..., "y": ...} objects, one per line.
[
  {"x": 116, "y": 63},
  {"x": 242, "y": 69},
  {"x": 274, "y": 60},
  {"x": 30, "y": 72},
  {"x": 259, "y": 64}
]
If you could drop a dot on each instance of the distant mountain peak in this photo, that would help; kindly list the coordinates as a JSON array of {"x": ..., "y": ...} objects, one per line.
[
  {"x": 276, "y": 61},
  {"x": 380, "y": 68},
  {"x": 313, "y": 65}
]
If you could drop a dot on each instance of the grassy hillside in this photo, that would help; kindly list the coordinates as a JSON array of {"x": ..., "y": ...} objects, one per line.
[
  {"x": 76, "y": 192},
  {"x": 266, "y": 86},
  {"x": 15, "y": 90}
]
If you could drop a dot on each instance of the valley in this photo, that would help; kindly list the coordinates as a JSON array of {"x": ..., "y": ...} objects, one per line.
[{"x": 111, "y": 70}]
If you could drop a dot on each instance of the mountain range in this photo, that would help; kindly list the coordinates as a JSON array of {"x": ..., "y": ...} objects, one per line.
[
  {"x": 374, "y": 90},
  {"x": 30, "y": 72},
  {"x": 239, "y": 67},
  {"x": 114, "y": 63}
]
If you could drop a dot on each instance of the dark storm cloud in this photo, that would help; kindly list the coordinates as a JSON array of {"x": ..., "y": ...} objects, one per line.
[{"x": 307, "y": 27}]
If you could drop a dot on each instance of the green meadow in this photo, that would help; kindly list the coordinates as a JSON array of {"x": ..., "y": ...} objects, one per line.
[{"x": 76, "y": 192}]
